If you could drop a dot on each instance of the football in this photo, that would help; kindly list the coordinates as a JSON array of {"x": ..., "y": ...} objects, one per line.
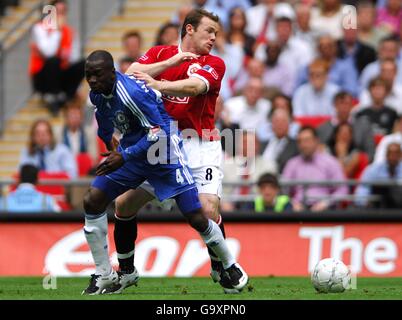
[{"x": 331, "y": 276}]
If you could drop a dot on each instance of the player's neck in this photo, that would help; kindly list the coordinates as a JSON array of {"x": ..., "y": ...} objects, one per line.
[{"x": 187, "y": 46}]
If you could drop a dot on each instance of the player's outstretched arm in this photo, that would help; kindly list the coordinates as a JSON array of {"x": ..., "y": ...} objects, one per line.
[
  {"x": 181, "y": 88},
  {"x": 155, "y": 69}
]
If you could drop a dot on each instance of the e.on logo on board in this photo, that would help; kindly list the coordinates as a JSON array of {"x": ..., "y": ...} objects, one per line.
[{"x": 155, "y": 256}]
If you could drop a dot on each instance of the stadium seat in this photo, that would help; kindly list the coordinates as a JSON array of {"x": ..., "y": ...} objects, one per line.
[
  {"x": 84, "y": 163},
  {"x": 314, "y": 121}
]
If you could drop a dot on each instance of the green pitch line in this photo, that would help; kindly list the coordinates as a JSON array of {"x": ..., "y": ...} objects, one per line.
[{"x": 267, "y": 288}]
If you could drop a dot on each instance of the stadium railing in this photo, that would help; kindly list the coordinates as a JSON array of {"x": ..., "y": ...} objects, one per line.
[{"x": 232, "y": 197}]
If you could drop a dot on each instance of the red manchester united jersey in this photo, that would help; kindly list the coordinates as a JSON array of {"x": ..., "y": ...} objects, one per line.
[{"x": 190, "y": 112}]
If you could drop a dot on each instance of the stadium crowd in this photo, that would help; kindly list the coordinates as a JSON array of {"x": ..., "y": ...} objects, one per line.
[{"x": 315, "y": 85}]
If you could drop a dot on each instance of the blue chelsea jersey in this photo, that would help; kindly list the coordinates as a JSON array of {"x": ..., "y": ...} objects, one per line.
[{"x": 134, "y": 109}]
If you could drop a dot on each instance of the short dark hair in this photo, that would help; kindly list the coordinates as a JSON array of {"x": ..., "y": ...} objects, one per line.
[
  {"x": 29, "y": 174},
  {"x": 341, "y": 95},
  {"x": 102, "y": 55},
  {"x": 390, "y": 38},
  {"x": 311, "y": 129},
  {"x": 377, "y": 81},
  {"x": 194, "y": 18},
  {"x": 268, "y": 178}
]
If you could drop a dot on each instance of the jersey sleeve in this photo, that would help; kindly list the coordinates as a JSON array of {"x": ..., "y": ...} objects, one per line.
[
  {"x": 212, "y": 73},
  {"x": 151, "y": 56},
  {"x": 105, "y": 128}
]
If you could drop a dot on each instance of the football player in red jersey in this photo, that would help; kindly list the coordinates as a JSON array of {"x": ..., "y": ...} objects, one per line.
[{"x": 189, "y": 79}]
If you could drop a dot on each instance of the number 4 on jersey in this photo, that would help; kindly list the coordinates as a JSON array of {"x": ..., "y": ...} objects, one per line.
[{"x": 179, "y": 177}]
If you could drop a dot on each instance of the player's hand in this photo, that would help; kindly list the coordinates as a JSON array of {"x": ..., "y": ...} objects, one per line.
[
  {"x": 113, "y": 162},
  {"x": 150, "y": 82},
  {"x": 181, "y": 57}
]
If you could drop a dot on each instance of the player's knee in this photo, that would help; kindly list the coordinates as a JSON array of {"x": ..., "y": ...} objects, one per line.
[
  {"x": 94, "y": 202},
  {"x": 197, "y": 220},
  {"x": 210, "y": 207},
  {"x": 124, "y": 210}
]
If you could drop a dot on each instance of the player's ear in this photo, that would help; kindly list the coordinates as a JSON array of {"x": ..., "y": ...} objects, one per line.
[{"x": 189, "y": 29}]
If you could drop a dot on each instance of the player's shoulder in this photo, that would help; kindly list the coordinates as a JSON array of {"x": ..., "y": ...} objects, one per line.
[
  {"x": 161, "y": 50},
  {"x": 216, "y": 60}
]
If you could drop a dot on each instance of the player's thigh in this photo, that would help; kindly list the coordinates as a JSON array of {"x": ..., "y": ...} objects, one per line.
[{"x": 130, "y": 202}]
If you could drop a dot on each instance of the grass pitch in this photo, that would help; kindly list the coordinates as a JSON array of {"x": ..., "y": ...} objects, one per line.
[{"x": 259, "y": 288}]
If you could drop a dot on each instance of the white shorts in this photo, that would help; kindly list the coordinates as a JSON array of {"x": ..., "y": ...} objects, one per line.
[{"x": 204, "y": 158}]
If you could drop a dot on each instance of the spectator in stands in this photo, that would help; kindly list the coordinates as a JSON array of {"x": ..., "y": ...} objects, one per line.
[
  {"x": 245, "y": 167},
  {"x": 328, "y": 18},
  {"x": 363, "y": 137},
  {"x": 351, "y": 48},
  {"x": 5, "y": 3},
  {"x": 278, "y": 102},
  {"x": 44, "y": 153},
  {"x": 167, "y": 35},
  {"x": 253, "y": 69},
  {"x": 388, "y": 72},
  {"x": 237, "y": 31},
  {"x": 278, "y": 76},
  {"x": 342, "y": 147},
  {"x": 56, "y": 68},
  {"x": 233, "y": 55},
  {"x": 75, "y": 135},
  {"x": 390, "y": 16},
  {"x": 294, "y": 52},
  {"x": 125, "y": 63},
  {"x": 380, "y": 116},
  {"x": 303, "y": 26},
  {"x": 395, "y": 137},
  {"x": 280, "y": 147},
  {"x": 389, "y": 49},
  {"x": 249, "y": 110},
  {"x": 315, "y": 98},
  {"x": 368, "y": 33},
  {"x": 26, "y": 198},
  {"x": 269, "y": 199},
  {"x": 388, "y": 170},
  {"x": 313, "y": 165},
  {"x": 132, "y": 42},
  {"x": 261, "y": 18},
  {"x": 342, "y": 72}
]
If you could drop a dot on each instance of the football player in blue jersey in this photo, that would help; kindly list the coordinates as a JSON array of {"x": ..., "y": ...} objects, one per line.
[{"x": 127, "y": 104}]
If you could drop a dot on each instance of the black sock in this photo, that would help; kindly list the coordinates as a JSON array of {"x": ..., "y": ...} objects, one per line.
[{"x": 125, "y": 234}]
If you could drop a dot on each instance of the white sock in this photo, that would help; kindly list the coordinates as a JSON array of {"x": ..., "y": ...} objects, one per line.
[
  {"x": 95, "y": 230},
  {"x": 213, "y": 238}
]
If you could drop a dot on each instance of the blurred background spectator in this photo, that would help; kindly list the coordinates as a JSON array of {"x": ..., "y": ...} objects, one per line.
[
  {"x": 390, "y": 170},
  {"x": 278, "y": 101},
  {"x": 79, "y": 138},
  {"x": 341, "y": 72},
  {"x": 132, "y": 43},
  {"x": 245, "y": 167},
  {"x": 315, "y": 97},
  {"x": 380, "y": 116},
  {"x": 342, "y": 147},
  {"x": 269, "y": 198},
  {"x": 250, "y": 110},
  {"x": 56, "y": 68},
  {"x": 390, "y": 16},
  {"x": 363, "y": 136},
  {"x": 313, "y": 165},
  {"x": 45, "y": 153},
  {"x": 327, "y": 17},
  {"x": 395, "y": 137},
  {"x": 168, "y": 34},
  {"x": 280, "y": 147},
  {"x": 26, "y": 198}
]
